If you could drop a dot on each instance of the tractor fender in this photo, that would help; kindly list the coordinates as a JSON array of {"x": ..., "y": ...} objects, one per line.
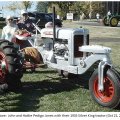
[{"x": 101, "y": 68}]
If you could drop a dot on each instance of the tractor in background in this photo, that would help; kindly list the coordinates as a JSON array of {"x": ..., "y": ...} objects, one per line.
[{"x": 111, "y": 20}]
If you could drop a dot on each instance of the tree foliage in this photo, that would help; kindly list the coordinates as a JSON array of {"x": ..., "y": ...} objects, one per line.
[
  {"x": 77, "y": 7},
  {"x": 17, "y": 5},
  {"x": 26, "y": 4},
  {"x": 11, "y": 6},
  {"x": 87, "y": 7},
  {"x": 42, "y": 6},
  {"x": 93, "y": 8},
  {"x": 61, "y": 7}
]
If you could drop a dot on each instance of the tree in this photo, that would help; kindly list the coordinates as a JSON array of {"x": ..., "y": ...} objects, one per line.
[
  {"x": 26, "y": 4},
  {"x": 76, "y": 7},
  {"x": 11, "y": 6},
  {"x": 92, "y": 7},
  {"x": 62, "y": 7},
  {"x": 14, "y": 6},
  {"x": 98, "y": 7},
  {"x": 42, "y": 7}
]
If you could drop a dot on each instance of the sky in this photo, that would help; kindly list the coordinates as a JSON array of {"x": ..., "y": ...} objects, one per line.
[{"x": 8, "y": 12}]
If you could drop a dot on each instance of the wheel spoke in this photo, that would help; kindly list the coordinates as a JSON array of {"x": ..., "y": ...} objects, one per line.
[{"x": 108, "y": 93}]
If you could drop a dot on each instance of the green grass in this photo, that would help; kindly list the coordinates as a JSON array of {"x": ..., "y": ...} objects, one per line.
[
  {"x": 45, "y": 91},
  {"x": 96, "y": 31}
]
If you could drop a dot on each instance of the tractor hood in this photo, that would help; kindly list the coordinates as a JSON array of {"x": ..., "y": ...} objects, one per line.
[{"x": 62, "y": 33}]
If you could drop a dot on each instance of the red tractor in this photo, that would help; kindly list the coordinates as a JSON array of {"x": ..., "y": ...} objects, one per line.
[
  {"x": 10, "y": 66},
  {"x": 14, "y": 61}
]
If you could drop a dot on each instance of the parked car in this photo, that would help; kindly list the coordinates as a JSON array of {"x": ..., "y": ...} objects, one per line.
[
  {"x": 51, "y": 14},
  {"x": 44, "y": 18},
  {"x": 2, "y": 19}
]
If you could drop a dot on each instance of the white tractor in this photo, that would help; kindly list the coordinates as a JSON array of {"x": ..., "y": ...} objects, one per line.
[{"x": 68, "y": 50}]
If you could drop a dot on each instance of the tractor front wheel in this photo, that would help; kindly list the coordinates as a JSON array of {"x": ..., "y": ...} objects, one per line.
[
  {"x": 113, "y": 22},
  {"x": 110, "y": 96}
]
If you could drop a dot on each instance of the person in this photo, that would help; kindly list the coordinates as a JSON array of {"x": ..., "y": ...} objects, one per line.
[
  {"x": 25, "y": 22},
  {"x": 8, "y": 32},
  {"x": 90, "y": 15},
  {"x": 82, "y": 16},
  {"x": 109, "y": 13},
  {"x": 98, "y": 16},
  {"x": 108, "y": 16}
]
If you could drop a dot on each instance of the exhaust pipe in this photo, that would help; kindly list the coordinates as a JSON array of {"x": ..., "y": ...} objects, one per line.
[{"x": 54, "y": 29}]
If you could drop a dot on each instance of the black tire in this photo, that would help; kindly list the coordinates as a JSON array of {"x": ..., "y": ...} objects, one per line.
[
  {"x": 59, "y": 24},
  {"x": 65, "y": 74},
  {"x": 113, "y": 21},
  {"x": 105, "y": 22},
  {"x": 60, "y": 73},
  {"x": 13, "y": 68},
  {"x": 110, "y": 97}
]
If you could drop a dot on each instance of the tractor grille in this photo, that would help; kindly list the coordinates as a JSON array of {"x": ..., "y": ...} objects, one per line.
[
  {"x": 87, "y": 42},
  {"x": 79, "y": 41}
]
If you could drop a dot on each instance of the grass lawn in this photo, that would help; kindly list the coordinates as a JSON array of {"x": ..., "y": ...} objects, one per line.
[
  {"x": 96, "y": 31},
  {"x": 45, "y": 91}
]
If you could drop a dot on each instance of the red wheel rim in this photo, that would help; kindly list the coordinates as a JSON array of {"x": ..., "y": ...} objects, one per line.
[
  {"x": 108, "y": 93},
  {"x": 2, "y": 73}
]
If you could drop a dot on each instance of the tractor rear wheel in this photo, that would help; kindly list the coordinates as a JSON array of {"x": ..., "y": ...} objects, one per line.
[
  {"x": 110, "y": 96},
  {"x": 105, "y": 21},
  {"x": 113, "y": 22},
  {"x": 10, "y": 66}
]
